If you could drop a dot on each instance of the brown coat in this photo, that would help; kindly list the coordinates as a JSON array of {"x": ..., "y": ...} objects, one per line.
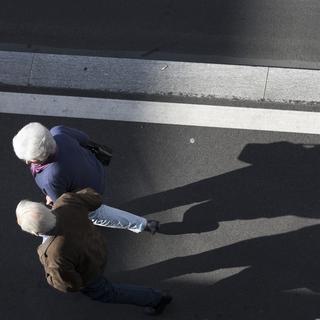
[{"x": 76, "y": 252}]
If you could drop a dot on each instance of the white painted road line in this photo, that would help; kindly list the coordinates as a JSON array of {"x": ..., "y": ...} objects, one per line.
[{"x": 162, "y": 113}]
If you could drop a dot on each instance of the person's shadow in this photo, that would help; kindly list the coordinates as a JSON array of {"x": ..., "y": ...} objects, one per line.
[
  {"x": 276, "y": 271},
  {"x": 283, "y": 179}
]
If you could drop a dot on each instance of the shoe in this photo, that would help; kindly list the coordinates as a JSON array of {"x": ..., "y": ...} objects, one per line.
[
  {"x": 152, "y": 226},
  {"x": 158, "y": 309}
]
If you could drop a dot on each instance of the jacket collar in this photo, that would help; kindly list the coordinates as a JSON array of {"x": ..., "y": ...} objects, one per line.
[{"x": 42, "y": 249}]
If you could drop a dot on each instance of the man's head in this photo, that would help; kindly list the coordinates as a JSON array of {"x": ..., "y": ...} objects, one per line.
[
  {"x": 34, "y": 217},
  {"x": 34, "y": 143}
]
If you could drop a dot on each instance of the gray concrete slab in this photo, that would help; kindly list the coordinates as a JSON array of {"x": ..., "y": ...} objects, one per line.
[
  {"x": 15, "y": 68},
  {"x": 155, "y": 79},
  {"x": 148, "y": 77},
  {"x": 293, "y": 85}
]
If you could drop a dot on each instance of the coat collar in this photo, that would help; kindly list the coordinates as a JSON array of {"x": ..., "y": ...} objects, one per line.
[{"x": 42, "y": 249}]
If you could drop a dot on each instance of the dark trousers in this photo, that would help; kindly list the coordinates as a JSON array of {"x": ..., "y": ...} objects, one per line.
[{"x": 104, "y": 291}]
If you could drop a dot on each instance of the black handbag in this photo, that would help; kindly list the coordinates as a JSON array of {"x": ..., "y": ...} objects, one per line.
[{"x": 101, "y": 152}]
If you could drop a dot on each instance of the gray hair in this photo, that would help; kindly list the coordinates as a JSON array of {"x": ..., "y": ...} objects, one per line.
[
  {"x": 34, "y": 142},
  {"x": 34, "y": 217}
]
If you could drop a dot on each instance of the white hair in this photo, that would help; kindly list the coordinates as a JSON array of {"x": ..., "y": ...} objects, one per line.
[
  {"x": 34, "y": 142},
  {"x": 34, "y": 217}
]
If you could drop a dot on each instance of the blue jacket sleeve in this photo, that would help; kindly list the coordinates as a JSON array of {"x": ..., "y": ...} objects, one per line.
[
  {"x": 54, "y": 190},
  {"x": 52, "y": 182},
  {"x": 76, "y": 134}
]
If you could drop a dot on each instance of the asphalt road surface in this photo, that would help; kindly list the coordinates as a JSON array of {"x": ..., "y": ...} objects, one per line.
[
  {"x": 240, "y": 223},
  {"x": 265, "y": 32}
]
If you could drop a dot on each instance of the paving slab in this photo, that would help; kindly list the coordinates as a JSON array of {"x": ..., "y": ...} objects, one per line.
[
  {"x": 15, "y": 68},
  {"x": 293, "y": 85},
  {"x": 157, "y": 80},
  {"x": 148, "y": 76}
]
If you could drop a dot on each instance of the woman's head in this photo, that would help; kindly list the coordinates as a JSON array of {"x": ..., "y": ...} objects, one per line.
[{"x": 34, "y": 142}]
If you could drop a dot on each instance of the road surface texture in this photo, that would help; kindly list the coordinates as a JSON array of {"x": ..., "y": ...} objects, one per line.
[
  {"x": 265, "y": 32},
  {"x": 240, "y": 223}
]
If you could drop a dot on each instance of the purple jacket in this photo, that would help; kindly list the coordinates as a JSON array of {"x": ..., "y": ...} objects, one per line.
[{"x": 73, "y": 168}]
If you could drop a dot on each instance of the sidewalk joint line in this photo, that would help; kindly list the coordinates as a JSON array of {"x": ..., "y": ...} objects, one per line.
[
  {"x": 265, "y": 86},
  {"x": 31, "y": 68}
]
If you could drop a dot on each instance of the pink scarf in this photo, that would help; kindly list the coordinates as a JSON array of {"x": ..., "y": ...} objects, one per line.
[{"x": 39, "y": 167}]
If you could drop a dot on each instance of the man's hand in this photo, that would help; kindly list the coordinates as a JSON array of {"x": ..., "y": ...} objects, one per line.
[{"x": 49, "y": 201}]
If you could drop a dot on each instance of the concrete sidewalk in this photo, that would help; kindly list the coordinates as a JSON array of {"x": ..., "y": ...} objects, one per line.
[{"x": 156, "y": 80}]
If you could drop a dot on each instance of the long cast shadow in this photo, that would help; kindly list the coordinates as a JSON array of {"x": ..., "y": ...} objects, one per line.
[
  {"x": 274, "y": 265},
  {"x": 283, "y": 179}
]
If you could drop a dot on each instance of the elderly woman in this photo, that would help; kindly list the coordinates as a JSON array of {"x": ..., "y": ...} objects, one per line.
[
  {"x": 60, "y": 162},
  {"x": 74, "y": 254}
]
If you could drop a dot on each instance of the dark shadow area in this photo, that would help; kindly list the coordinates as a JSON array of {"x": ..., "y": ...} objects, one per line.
[
  {"x": 279, "y": 33},
  {"x": 283, "y": 179},
  {"x": 274, "y": 264}
]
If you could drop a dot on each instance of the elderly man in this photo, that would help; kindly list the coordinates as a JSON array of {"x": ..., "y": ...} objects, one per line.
[
  {"x": 60, "y": 162},
  {"x": 73, "y": 252}
]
